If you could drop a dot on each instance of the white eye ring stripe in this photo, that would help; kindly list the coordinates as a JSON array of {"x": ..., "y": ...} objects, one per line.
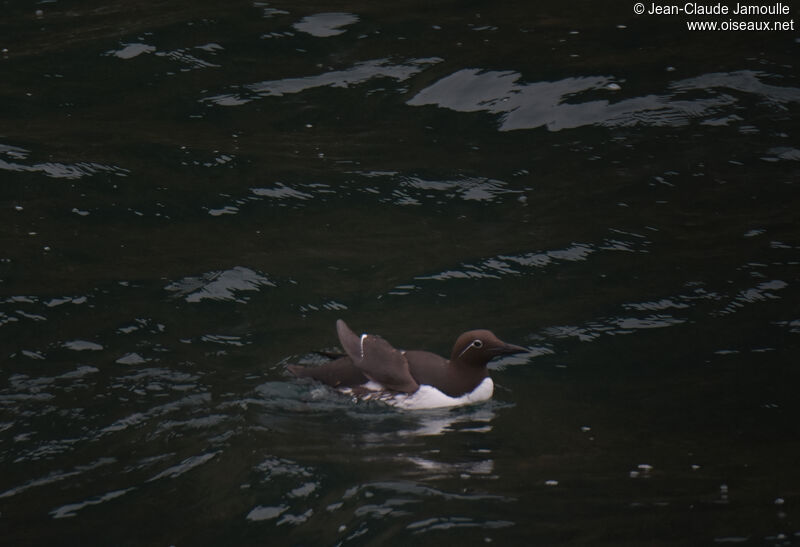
[{"x": 477, "y": 343}]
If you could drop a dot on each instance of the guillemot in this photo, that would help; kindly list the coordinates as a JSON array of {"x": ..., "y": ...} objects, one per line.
[{"x": 413, "y": 379}]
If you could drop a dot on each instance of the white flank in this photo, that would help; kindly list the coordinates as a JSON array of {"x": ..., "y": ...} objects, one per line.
[
  {"x": 426, "y": 397},
  {"x": 430, "y": 397}
]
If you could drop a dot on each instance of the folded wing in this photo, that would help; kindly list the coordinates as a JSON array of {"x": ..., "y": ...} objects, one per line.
[{"x": 377, "y": 359}]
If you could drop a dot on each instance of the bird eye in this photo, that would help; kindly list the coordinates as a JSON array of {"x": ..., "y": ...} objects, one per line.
[{"x": 477, "y": 344}]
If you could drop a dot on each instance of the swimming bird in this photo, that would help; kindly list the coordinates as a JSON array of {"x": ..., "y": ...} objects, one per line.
[{"x": 372, "y": 368}]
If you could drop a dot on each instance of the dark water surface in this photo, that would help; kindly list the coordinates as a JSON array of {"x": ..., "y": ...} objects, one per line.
[{"x": 192, "y": 193}]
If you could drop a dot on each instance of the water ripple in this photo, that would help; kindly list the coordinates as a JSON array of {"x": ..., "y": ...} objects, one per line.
[
  {"x": 553, "y": 104},
  {"x": 358, "y": 74},
  {"x": 71, "y": 509},
  {"x": 446, "y": 523},
  {"x": 220, "y": 285},
  {"x": 131, "y": 50},
  {"x": 367, "y": 504},
  {"x": 745, "y": 81},
  {"x": 613, "y": 326},
  {"x": 281, "y": 192},
  {"x": 188, "y": 57},
  {"x": 138, "y": 418},
  {"x": 525, "y": 263},
  {"x": 58, "y": 476},
  {"x": 261, "y": 512},
  {"x": 183, "y": 467},
  {"x": 324, "y": 25},
  {"x": 70, "y": 171},
  {"x": 760, "y": 293},
  {"x": 414, "y": 190}
]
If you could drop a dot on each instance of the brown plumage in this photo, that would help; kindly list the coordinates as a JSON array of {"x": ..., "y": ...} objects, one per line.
[{"x": 370, "y": 357}]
